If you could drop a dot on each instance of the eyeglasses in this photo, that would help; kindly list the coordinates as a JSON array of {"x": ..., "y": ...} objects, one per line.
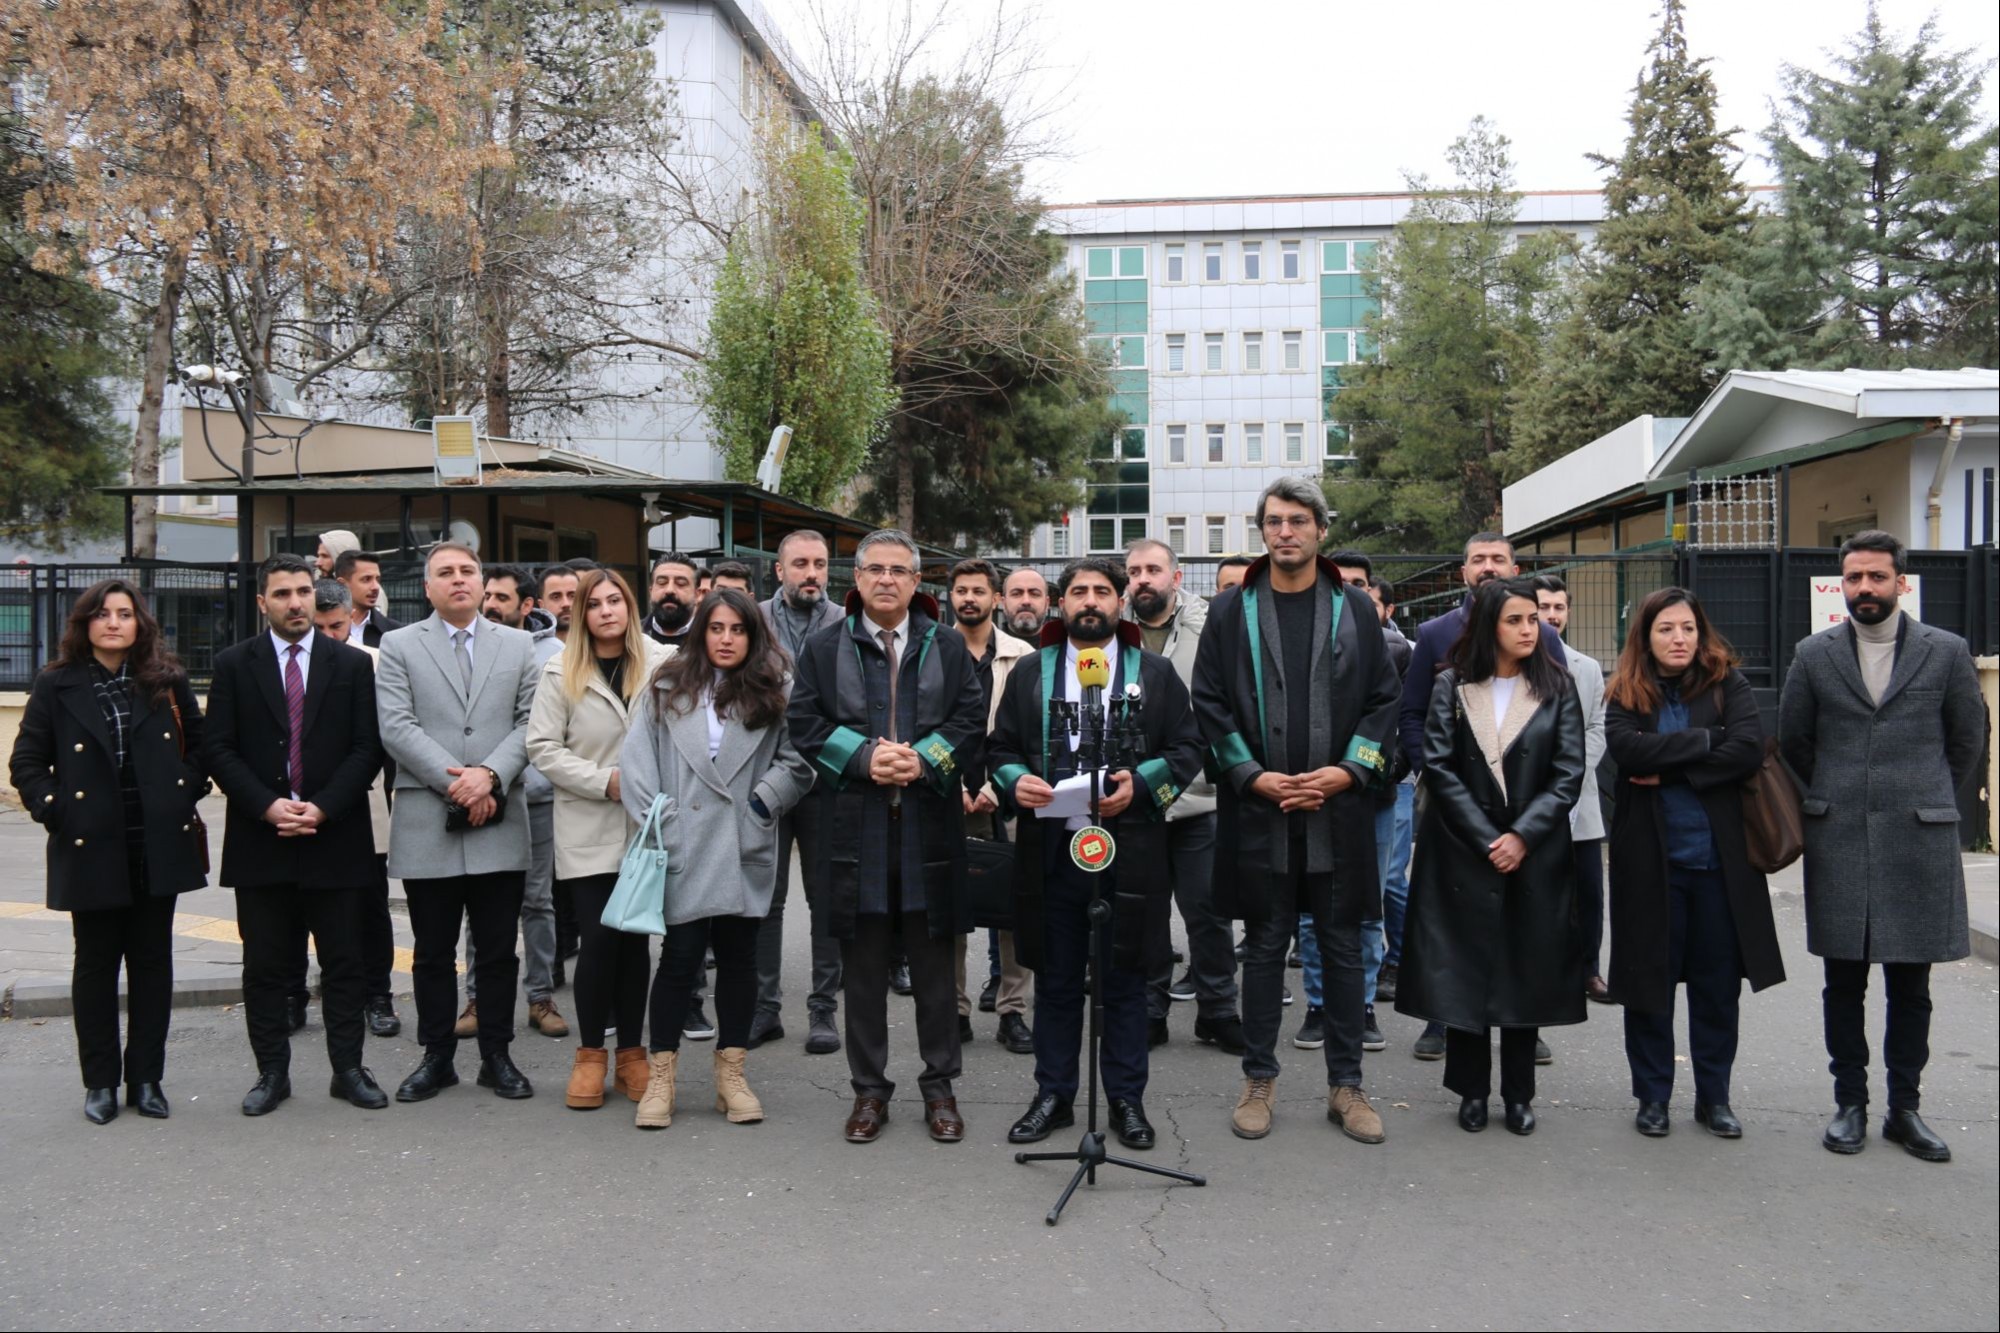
[
  {"x": 896, "y": 572},
  {"x": 1279, "y": 522}
]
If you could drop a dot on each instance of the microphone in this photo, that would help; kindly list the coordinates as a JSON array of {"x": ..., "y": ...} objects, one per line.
[{"x": 1093, "y": 669}]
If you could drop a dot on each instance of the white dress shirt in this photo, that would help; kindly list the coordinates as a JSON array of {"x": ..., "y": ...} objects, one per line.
[{"x": 305, "y": 647}]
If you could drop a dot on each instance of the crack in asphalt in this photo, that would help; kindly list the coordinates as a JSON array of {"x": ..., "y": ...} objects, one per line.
[{"x": 1200, "y": 1290}]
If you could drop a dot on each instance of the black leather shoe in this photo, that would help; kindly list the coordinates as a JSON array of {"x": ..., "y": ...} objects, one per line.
[
  {"x": 358, "y": 1086},
  {"x": 822, "y": 1034},
  {"x": 1048, "y": 1114},
  {"x": 1225, "y": 1034},
  {"x": 763, "y": 1028},
  {"x": 295, "y": 1011},
  {"x": 381, "y": 1015},
  {"x": 147, "y": 1099},
  {"x": 899, "y": 977},
  {"x": 430, "y": 1078},
  {"x": 272, "y": 1087},
  {"x": 1472, "y": 1114},
  {"x": 100, "y": 1105},
  {"x": 497, "y": 1072},
  {"x": 965, "y": 1032},
  {"x": 1908, "y": 1128},
  {"x": 1129, "y": 1123},
  {"x": 1652, "y": 1120},
  {"x": 1015, "y": 1034},
  {"x": 1721, "y": 1121},
  {"x": 1520, "y": 1118},
  {"x": 989, "y": 995},
  {"x": 1847, "y": 1132}
]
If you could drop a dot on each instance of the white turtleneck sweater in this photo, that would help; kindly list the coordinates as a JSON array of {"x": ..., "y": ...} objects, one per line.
[{"x": 1877, "y": 647}]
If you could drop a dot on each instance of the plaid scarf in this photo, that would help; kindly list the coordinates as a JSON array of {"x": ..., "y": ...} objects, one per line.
[{"x": 114, "y": 696}]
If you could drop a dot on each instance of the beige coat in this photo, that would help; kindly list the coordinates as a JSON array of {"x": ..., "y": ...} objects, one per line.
[
  {"x": 378, "y": 787},
  {"x": 576, "y": 745}
]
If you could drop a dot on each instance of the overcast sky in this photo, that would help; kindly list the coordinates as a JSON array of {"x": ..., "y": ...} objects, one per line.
[{"x": 1174, "y": 98}]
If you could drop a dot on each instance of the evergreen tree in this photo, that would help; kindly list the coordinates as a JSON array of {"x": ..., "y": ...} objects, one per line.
[
  {"x": 1884, "y": 249},
  {"x": 1673, "y": 213},
  {"x": 1463, "y": 315},
  {"x": 794, "y": 337},
  {"x": 59, "y": 345}
]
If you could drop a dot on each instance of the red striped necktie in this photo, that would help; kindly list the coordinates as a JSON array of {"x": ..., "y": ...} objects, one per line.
[{"x": 295, "y": 713}]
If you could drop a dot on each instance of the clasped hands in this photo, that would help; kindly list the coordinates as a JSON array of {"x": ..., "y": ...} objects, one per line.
[
  {"x": 472, "y": 790},
  {"x": 1302, "y": 791},
  {"x": 894, "y": 764},
  {"x": 294, "y": 819},
  {"x": 1033, "y": 793}
]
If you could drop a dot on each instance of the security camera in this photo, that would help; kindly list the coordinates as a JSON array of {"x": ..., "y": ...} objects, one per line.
[{"x": 211, "y": 375}]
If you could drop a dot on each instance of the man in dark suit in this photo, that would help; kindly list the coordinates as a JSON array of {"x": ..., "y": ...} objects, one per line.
[
  {"x": 362, "y": 573},
  {"x": 1488, "y": 556},
  {"x": 292, "y": 741},
  {"x": 886, "y": 705}
]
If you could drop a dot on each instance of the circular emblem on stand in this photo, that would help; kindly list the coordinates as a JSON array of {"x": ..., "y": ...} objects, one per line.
[{"x": 1092, "y": 848}]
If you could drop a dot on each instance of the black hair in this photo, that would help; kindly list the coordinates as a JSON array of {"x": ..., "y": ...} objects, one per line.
[
  {"x": 344, "y": 563},
  {"x": 1233, "y": 562},
  {"x": 753, "y": 692},
  {"x": 284, "y": 562},
  {"x": 1476, "y": 655},
  {"x": 576, "y": 564},
  {"x": 974, "y": 568},
  {"x": 1550, "y": 583},
  {"x": 1488, "y": 539},
  {"x": 1383, "y": 588},
  {"x": 1349, "y": 558},
  {"x": 523, "y": 586},
  {"x": 733, "y": 569},
  {"x": 562, "y": 571},
  {"x": 673, "y": 558},
  {"x": 1093, "y": 564},
  {"x": 1876, "y": 540}
]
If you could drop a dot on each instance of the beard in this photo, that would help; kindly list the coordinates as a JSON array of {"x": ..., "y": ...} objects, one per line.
[
  {"x": 1870, "y": 609},
  {"x": 1088, "y": 627},
  {"x": 803, "y": 596},
  {"x": 671, "y": 613},
  {"x": 968, "y": 613},
  {"x": 1027, "y": 623},
  {"x": 1149, "y": 604},
  {"x": 1484, "y": 577},
  {"x": 499, "y": 619}
]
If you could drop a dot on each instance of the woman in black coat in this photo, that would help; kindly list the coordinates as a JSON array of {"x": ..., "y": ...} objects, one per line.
[
  {"x": 1492, "y": 937},
  {"x": 109, "y": 762},
  {"x": 1686, "y": 906}
]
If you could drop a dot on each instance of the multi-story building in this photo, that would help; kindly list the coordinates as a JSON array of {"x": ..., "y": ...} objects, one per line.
[{"x": 1228, "y": 322}]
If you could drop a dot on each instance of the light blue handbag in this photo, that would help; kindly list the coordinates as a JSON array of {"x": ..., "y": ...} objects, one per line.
[{"x": 639, "y": 899}]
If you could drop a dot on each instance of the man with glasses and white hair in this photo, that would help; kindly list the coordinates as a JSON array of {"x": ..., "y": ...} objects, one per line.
[
  {"x": 1297, "y": 698},
  {"x": 886, "y": 706}
]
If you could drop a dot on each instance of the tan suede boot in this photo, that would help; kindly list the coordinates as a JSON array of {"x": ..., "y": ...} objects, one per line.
[
  {"x": 732, "y": 1095},
  {"x": 586, "y": 1079},
  {"x": 632, "y": 1073},
  {"x": 656, "y": 1108},
  {"x": 1252, "y": 1119}
]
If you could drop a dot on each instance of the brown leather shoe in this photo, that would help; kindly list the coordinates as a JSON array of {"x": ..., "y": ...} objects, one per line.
[
  {"x": 468, "y": 1022},
  {"x": 545, "y": 1018},
  {"x": 865, "y": 1124},
  {"x": 1597, "y": 990},
  {"x": 947, "y": 1126}
]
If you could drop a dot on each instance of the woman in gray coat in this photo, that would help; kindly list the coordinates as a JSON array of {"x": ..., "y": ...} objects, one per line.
[{"x": 713, "y": 741}]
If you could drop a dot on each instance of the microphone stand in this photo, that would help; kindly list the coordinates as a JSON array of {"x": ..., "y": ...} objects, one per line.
[{"x": 1122, "y": 742}]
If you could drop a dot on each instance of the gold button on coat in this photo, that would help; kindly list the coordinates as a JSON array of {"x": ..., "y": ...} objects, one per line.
[
  {"x": 79, "y": 842},
  {"x": 79, "y": 747}
]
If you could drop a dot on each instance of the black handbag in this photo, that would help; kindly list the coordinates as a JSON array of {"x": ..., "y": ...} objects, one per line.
[{"x": 989, "y": 879}]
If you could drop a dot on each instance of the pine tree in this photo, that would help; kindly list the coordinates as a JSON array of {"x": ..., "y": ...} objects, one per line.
[
  {"x": 1462, "y": 320},
  {"x": 1884, "y": 249},
  {"x": 794, "y": 337},
  {"x": 1673, "y": 213}
]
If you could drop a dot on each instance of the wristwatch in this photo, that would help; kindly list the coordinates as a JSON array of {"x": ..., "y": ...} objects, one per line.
[{"x": 497, "y": 787}]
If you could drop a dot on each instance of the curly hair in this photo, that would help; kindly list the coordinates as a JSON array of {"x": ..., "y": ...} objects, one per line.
[
  {"x": 151, "y": 664},
  {"x": 752, "y": 692}
]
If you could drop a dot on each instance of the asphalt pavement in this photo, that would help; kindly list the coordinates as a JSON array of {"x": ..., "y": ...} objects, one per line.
[{"x": 468, "y": 1211}]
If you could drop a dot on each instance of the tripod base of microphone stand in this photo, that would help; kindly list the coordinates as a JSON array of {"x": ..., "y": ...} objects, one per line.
[{"x": 1090, "y": 1155}]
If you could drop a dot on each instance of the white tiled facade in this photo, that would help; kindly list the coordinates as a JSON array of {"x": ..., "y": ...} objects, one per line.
[{"x": 1246, "y": 304}]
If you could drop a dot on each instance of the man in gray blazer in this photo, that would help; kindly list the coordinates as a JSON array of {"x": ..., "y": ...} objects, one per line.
[
  {"x": 1881, "y": 718},
  {"x": 1586, "y": 817},
  {"x": 454, "y": 692}
]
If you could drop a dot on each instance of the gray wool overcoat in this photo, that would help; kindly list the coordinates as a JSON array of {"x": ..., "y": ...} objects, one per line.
[{"x": 1884, "y": 878}]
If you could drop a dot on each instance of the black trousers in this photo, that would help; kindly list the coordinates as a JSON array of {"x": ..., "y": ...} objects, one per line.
[
  {"x": 376, "y": 940},
  {"x": 865, "y": 960},
  {"x": 1211, "y": 939},
  {"x": 1589, "y": 855},
  {"x": 682, "y": 950},
  {"x": 611, "y": 967},
  {"x": 1906, "y": 1042},
  {"x": 1059, "y": 998},
  {"x": 270, "y": 918},
  {"x": 1701, "y": 951},
  {"x": 141, "y": 938},
  {"x": 438, "y": 907},
  {"x": 1468, "y": 1063}
]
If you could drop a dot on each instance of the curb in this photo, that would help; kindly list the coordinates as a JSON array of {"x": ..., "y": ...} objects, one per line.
[
  {"x": 1984, "y": 943},
  {"x": 49, "y": 996}
]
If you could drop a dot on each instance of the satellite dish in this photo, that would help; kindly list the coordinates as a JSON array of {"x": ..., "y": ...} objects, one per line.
[{"x": 464, "y": 534}]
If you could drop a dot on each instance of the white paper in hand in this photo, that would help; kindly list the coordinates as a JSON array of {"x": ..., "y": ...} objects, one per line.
[{"x": 1071, "y": 801}]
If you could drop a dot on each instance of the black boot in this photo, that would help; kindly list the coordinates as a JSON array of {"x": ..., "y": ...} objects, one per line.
[
  {"x": 496, "y": 1071},
  {"x": 149, "y": 1101},
  {"x": 1847, "y": 1132},
  {"x": 430, "y": 1078},
  {"x": 100, "y": 1105},
  {"x": 1908, "y": 1128}
]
